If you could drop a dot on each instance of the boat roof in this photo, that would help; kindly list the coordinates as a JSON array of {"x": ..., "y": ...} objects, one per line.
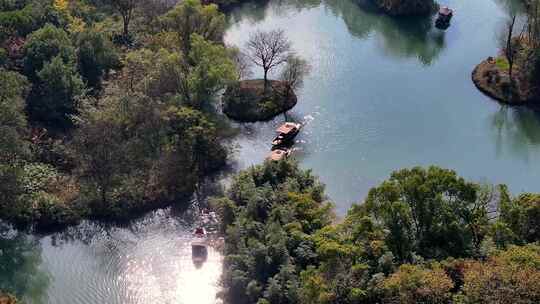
[
  {"x": 287, "y": 127},
  {"x": 445, "y": 11},
  {"x": 277, "y": 154}
]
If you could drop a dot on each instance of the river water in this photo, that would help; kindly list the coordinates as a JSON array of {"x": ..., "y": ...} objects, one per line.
[{"x": 383, "y": 94}]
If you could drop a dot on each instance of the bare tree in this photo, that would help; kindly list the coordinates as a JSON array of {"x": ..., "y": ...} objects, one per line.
[
  {"x": 268, "y": 50},
  {"x": 295, "y": 71},
  {"x": 509, "y": 51},
  {"x": 242, "y": 62},
  {"x": 126, "y": 9}
]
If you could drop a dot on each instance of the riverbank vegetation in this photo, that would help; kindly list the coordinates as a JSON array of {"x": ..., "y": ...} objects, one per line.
[
  {"x": 512, "y": 76},
  {"x": 422, "y": 236},
  {"x": 108, "y": 107}
]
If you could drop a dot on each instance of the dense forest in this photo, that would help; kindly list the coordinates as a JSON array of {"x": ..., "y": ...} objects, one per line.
[
  {"x": 108, "y": 107},
  {"x": 425, "y": 235}
]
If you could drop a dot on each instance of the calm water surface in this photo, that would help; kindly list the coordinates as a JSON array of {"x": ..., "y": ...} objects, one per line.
[
  {"x": 383, "y": 94},
  {"x": 387, "y": 94}
]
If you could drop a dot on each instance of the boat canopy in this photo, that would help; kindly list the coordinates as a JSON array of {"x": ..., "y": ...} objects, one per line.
[
  {"x": 287, "y": 128},
  {"x": 445, "y": 11},
  {"x": 277, "y": 154}
]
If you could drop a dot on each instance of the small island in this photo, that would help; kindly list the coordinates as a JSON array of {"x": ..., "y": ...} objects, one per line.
[
  {"x": 263, "y": 99},
  {"x": 512, "y": 76},
  {"x": 407, "y": 7},
  {"x": 249, "y": 101}
]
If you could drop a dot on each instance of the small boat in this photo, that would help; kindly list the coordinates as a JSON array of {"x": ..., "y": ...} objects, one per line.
[
  {"x": 200, "y": 232},
  {"x": 444, "y": 17},
  {"x": 199, "y": 250},
  {"x": 279, "y": 154},
  {"x": 286, "y": 133}
]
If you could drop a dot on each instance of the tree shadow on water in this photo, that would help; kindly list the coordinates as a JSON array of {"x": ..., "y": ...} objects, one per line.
[
  {"x": 20, "y": 271},
  {"x": 399, "y": 37},
  {"x": 517, "y": 130}
]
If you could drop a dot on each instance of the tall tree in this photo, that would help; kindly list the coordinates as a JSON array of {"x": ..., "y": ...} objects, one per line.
[
  {"x": 294, "y": 73},
  {"x": 126, "y": 9},
  {"x": 45, "y": 44},
  {"x": 509, "y": 51},
  {"x": 191, "y": 17},
  {"x": 96, "y": 56},
  {"x": 54, "y": 95},
  {"x": 437, "y": 211},
  {"x": 268, "y": 50}
]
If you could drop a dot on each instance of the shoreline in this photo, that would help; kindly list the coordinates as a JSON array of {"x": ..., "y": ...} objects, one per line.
[{"x": 493, "y": 82}]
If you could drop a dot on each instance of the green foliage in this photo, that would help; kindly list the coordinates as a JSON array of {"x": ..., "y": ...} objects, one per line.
[
  {"x": 24, "y": 17},
  {"x": 519, "y": 220},
  {"x": 502, "y": 63},
  {"x": 295, "y": 255},
  {"x": 96, "y": 57},
  {"x": 191, "y": 17},
  {"x": 271, "y": 211},
  {"x": 3, "y": 56},
  {"x": 121, "y": 146},
  {"x": 45, "y": 44},
  {"x": 194, "y": 80},
  {"x": 433, "y": 213},
  {"x": 13, "y": 87},
  {"x": 13, "y": 147},
  {"x": 53, "y": 98},
  {"x": 212, "y": 69}
]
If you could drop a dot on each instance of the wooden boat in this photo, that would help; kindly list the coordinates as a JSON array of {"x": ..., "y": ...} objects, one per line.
[
  {"x": 279, "y": 154},
  {"x": 286, "y": 133},
  {"x": 199, "y": 250},
  {"x": 444, "y": 17}
]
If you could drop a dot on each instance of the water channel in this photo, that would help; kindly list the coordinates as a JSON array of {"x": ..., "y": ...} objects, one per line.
[{"x": 383, "y": 94}]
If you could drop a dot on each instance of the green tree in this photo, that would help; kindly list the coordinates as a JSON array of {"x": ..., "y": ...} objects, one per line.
[
  {"x": 126, "y": 9},
  {"x": 211, "y": 70},
  {"x": 96, "y": 56},
  {"x": 13, "y": 146},
  {"x": 53, "y": 97},
  {"x": 435, "y": 210},
  {"x": 191, "y": 17},
  {"x": 195, "y": 79},
  {"x": 45, "y": 44},
  {"x": 13, "y": 88},
  {"x": 519, "y": 220}
]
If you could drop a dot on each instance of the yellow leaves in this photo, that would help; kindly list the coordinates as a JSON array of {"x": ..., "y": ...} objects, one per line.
[
  {"x": 76, "y": 24},
  {"x": 512, "y": 276},
  {"x": 413, "y": 283},
  {"x": 61, "y": 5}
]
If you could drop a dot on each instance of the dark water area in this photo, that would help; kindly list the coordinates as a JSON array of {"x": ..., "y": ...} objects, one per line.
[{"x": 383, "y": 94}]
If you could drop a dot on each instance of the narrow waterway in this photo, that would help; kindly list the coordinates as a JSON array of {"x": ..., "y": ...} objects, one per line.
[{"x": 383, "y": 94}]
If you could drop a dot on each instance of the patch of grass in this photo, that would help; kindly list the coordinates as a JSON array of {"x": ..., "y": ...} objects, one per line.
[{"x": 502, "y": 63}]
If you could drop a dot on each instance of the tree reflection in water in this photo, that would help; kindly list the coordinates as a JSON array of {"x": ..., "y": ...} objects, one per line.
[
  {"x": 413, "y": 37},
  {"x": 516, "y": 129},
  {"x": 20, "y": 272}
]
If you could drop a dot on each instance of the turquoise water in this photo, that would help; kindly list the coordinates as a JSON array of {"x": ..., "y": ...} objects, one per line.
[
  {"x": 391, "y": 93},
  {"x": 383, "y": 94}
]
